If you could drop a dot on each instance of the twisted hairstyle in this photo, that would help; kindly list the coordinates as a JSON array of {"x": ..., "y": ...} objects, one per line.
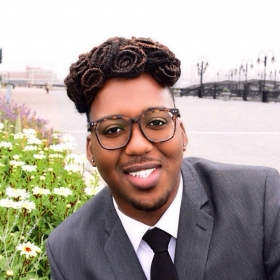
[{"x": 119, "y": 57}]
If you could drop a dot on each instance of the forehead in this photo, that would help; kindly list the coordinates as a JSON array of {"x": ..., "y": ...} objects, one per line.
[{"x": 129, "y": 97}]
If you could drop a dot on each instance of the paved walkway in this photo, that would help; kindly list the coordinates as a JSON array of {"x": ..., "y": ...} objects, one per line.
[{"x": 228, "y": 131}]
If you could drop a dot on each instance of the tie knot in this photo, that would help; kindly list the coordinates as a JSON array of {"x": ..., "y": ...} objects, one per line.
[{"x": 157, "y": 239}]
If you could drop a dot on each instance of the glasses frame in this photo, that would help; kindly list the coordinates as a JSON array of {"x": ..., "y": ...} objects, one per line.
[{"x": 94, "y": 124}]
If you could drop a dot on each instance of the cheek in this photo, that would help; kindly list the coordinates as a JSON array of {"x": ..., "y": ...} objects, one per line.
[
  {"x": 178, "y": 141},
  {"x": 106, "y": 161},
  {"x": 172, "y": 150}
]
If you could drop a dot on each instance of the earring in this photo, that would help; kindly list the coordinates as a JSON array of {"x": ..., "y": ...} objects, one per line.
[
  {"x": 93, "y": 162},
  {"x": 184, "y": 144}
]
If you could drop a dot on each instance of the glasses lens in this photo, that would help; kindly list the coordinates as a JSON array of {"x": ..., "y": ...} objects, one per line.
[
  {"x": 158, "y": 126},
  {"x": 113, "y": 133}
]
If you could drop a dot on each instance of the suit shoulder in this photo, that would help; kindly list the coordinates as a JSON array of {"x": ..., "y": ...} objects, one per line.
[
  {"x": 221, "y": 178},
  {"x": 93, "y": 213},
  {"x": 205, "y": 165}
]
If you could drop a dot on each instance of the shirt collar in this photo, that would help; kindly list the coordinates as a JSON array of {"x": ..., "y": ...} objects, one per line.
[{"x": 168, "y": 222}]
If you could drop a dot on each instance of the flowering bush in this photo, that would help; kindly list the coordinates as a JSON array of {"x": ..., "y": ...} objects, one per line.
[
  {"x": 14, "y": 118},
  {"x": 41, "y": 183}
]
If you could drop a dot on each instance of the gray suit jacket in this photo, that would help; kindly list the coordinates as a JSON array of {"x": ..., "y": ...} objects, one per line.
[{"x": 229, "y": 228}]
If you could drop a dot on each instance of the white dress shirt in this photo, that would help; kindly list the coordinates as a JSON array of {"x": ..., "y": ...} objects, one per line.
[{"x": 168, "y": 222}]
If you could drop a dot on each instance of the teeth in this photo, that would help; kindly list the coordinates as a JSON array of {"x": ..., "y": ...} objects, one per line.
[{"x": 143, "y": 173}]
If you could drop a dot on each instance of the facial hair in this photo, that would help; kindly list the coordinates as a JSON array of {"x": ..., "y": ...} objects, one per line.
[{"x": 139, "y": 205}]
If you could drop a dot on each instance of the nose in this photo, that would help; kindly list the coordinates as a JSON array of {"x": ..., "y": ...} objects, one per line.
[{"x": 138, "y": 143}]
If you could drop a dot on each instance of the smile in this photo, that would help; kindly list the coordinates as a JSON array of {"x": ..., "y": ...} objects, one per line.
[{"x": 143, "y": 173}]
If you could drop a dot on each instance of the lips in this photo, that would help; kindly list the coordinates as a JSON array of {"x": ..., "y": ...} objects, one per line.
[{"x": 143, "y": 176}]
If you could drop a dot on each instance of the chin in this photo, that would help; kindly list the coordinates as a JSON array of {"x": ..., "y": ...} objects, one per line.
[{"x": 150, "y": 207}]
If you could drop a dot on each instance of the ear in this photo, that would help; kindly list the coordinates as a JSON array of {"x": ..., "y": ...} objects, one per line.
[
  {"x": 89, "y": 152},
  {"x": 184, "y": 136}
]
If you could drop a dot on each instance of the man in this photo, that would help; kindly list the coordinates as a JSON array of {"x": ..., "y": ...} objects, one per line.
[{"x": 223, "y": 221}]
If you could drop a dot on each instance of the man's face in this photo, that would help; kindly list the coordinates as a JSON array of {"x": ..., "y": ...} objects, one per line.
[{"x": 136, "y": 194}]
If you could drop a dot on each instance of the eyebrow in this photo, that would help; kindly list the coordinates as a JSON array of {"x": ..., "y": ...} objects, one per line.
[
  {"x": 120, "y": 115},
  {"x": 153, "y": 108}
]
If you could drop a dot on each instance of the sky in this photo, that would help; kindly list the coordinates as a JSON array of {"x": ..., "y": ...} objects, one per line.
[{"x": 52, "y": 33}]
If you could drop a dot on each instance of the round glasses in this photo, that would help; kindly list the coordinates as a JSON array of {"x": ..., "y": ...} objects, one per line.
[{"x": 156, "y": 125}]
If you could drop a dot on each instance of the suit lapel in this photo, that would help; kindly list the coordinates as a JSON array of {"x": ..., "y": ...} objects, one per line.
[
  {"x": 195, "y": 228},
  {"x": 193, "y": 240},
  {"x": 120, "y": 252}
]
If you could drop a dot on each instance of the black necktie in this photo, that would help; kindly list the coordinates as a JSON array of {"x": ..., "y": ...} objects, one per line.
[{"x": 162, "y": 266}]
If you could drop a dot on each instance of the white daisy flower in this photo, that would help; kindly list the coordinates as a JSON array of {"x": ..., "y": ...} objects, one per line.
[
  {"x": 11, "y": 192},
  {"x": 37, "y": 190},
  {"x": 39, "y": 156},
  {"x": 77, "y": 158},
  {"x": 17, "y": 163},
  {"x": 73, "y": 168},
  {"x": 62, "y": 191},
  {"x": 30, "y": 148},
  {"x": 28, "y": 249},
  {"x": 91, "y": 190},
  {"x": 18, "y": 135},
  {"x": 34, "y": 141},
  {"x": 28, "y": 205},
  {"x": 5, "y": 144},
  {"x": 8, "y": 203},
  {"x": 16, "y": 157},
  {"x": 29, "y": 168},
  {"x": 58, "y": 147}
]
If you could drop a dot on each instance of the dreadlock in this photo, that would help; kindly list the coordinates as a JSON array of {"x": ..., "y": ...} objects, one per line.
[{"x": 119, "y": 57}]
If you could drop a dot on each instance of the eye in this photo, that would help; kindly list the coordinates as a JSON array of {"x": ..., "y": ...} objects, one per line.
[
  {"x": 112, "y": 128},
  {"x": 156, "y": 120},
  {"x": 156, "y": 123}
]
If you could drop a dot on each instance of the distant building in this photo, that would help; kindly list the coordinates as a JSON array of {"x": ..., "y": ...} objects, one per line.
[{"x": 33, "y": 76}]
